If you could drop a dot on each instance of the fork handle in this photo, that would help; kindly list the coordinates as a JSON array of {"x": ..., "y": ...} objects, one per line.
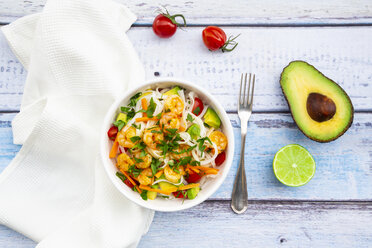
[{"x": 239, "y": 196}]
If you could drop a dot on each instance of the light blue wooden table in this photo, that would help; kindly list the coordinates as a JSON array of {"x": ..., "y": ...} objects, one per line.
[{"x": 335, "y": 208}]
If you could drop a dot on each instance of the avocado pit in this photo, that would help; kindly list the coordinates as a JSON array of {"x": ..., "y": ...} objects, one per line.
[{"x": 319, "y": 107}]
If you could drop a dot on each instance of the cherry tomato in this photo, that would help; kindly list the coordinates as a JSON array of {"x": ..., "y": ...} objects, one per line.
[
  {"x": 220, "y": 158},
  {"x": 215, "y": 38},
  {"x": 193, "y": 177},
  {"x": 112, "y": 132},
  {"x": 165, "y": 25},
  {"x": 128, "y": 183},
  {"x": 198, "y": 106},
  {"x": 180, "y": 194}
]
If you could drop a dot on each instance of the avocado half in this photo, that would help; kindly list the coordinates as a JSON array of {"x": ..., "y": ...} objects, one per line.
[{"x": 320, "y": 107}]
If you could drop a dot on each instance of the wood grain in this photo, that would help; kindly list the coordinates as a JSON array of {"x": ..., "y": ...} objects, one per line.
[
  {"x": 341, "y": 53},
  {"x": 235, "y": 12},
  {"x": 265, "y": 224},
  {"x": 344, "y": 167}
]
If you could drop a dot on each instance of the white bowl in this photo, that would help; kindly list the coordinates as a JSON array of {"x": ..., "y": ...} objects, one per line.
[{"x": 161, "y": 204}]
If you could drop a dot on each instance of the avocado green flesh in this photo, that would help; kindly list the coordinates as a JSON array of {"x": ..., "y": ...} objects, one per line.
[
  {"x": 211, "y": 118},
  {"x": 298, "y": 80},
  {"x": 173, "y": 91},
  {"x": 121, "y": 117}
]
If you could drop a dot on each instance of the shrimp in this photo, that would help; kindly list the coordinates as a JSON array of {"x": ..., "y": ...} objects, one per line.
[
  {"x": 219, "y": 139},
  {"x": 124, "y": 162},
  {"x": 175, "y": 104},
  {"x": 146, "y": 177},
  {"x": 146, "y": 160},
  {"x": 175, "y": 154},
  {"x": 171, "y": 175},
  {"x": 124, "y": 137},
  {"x": 170, "y": 121},
  {"x": 153, "y": 136}
]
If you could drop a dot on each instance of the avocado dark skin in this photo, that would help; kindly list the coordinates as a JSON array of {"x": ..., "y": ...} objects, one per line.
[{"x": 320, "y": 108}]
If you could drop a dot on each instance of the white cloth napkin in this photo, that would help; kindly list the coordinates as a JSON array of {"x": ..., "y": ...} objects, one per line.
[{"x": 55, "y": 191}]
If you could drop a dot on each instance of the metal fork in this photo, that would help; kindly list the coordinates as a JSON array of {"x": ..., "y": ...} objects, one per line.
[{"x": 239, "y": 196}]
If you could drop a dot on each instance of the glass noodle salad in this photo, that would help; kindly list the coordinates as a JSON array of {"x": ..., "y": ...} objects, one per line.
[{"x": 167, "y": 143}]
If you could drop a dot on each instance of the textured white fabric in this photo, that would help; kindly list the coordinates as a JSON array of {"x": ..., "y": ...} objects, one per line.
[{"x": 55, "y": 191}]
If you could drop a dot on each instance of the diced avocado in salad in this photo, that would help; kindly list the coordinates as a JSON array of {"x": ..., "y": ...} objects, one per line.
[
  {"x": 167, "y": 186},
  {"x": 122, "y": 117},
  {"x": 211, "y": 118},
  {"x": 193, "y": 192},
  {"x": 194, "y": 131},
  {"x": 152, "y": 195},
  {"x": 173, "y": 91}
]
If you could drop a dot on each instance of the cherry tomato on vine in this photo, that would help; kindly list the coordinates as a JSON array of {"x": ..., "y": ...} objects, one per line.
[
  {"x": 198, "y": 106},
  {"x": 112, "y": 132},
  {"x": 214, "y": 38},
  {"x": 165, "y": 25}
]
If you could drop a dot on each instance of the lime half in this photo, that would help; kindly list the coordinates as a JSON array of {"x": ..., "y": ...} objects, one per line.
[{"x": 293, "y": 165}]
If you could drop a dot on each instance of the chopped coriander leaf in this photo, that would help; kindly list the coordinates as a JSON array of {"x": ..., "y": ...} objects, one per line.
[
  {"x": 155, "y": 165},
  {"x": 156, "y": 131},
  {"x": 134, "y": 139},
  {"x": 139, "y": 145},
  {"x": 138, "y": 160},
  {"x": 135, "y": 126},
  {"x": 133, "y": 100},
  {"x": 189, "y": 118},
  {"x": 184, "y": 150},
  {"x": 121, "y": 176},
  {"x": 144, "y": 195},
  {"x": 194, "y": 163},
  {"x": 159, "y": 115},
  {"x": 201, "y": 145},
  {"x": 120, "y": 124},
  {"x": 129, "y": 112},
  {"x": 151, "y": 108},
  {"x": 134, "y": 170},
  {"x": 125, "y": 109},
  {"x": 185, "y": 160},
  {"x": 172, "y": 131},
  {"x": 196, "y": 111},
  {"x": 142, "y": 154}
]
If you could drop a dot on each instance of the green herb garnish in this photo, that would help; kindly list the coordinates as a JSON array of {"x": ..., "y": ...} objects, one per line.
[
  {"x": 134, "y": 139},
  {"x": 189, "y": 118},
  {"x": 196, "y": 111},
  {"x": 151, "y": 108},
  {"x": 120, "y": 124}
]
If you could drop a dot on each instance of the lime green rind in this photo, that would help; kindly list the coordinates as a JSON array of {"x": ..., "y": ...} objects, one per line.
[{"x": 291, "y": 177}]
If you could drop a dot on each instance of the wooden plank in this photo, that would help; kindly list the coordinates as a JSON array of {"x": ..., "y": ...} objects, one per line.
[
  {"x": 213, "y": 224},
  {"x": 344, "y": 167},
  {"x": 236, "y": 12},
  {"x": 341, "y": 53},
  {"x": 265, "y": 224}
]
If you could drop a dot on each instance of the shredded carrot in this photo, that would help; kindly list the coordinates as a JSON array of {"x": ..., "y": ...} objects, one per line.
[
  {"x": 159, "y": 173},
  {"x": 131, "y": 180},
  {"x": 144, "y": 106},
  {"x": 195, "y": 170},
  {"x": 144, "y": 103},
  {"x": 213, "y": 171},
  {"x": 156, "y": 190},
  {"x": 189, "y": 186},
  {"x": 147, "y": 119},
  {"x": 205, "y": 168},
  {"x": 114, "y": 148}
]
